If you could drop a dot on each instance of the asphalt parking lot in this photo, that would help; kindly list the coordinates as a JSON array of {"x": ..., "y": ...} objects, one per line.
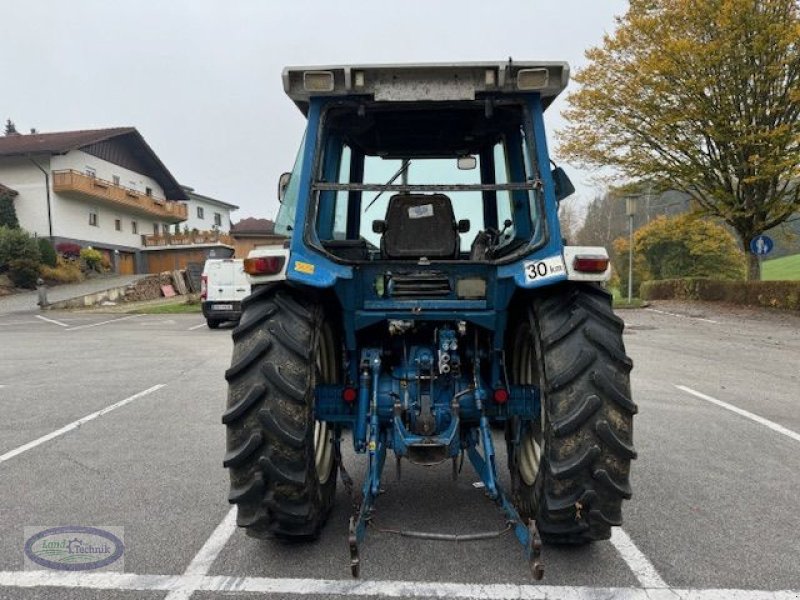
[{"x": 109, "y": 420}]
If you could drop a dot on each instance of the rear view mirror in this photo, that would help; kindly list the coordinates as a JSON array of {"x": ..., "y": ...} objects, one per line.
[
  {"x": 463, "y": 226},
  {"x": 379, "y": 226},
  {"x": 467, "y": 163},
  {"x": 563, "y": 185},
  {"x": 283, "y": 183}
]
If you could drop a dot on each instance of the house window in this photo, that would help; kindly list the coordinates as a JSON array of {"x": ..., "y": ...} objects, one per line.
[
  {"x": 91, "y": 172},
  {"x": 218, "y": 219},
  {"x": 200, "y": 212},
  {"x": 134, "y": 227},
  {"x": 118, "y": 224},
  {"x": 165, "y": 229},
  {"x": 148, "y": 191},
  {"x": 155, "y": 228},
  {"x": 115, "y": 179},
  {"x": 93, "y": 218}
]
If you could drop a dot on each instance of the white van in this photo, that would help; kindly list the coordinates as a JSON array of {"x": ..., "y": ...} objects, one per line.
[{"x": 223, "y": 285}]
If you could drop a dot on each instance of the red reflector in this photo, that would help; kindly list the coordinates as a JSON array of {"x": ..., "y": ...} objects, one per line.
[
  {"x": 590, "y": 264},
  {"x": 349, "y": 395},
  {"x": 501, "y": 395},
  {"x": 264, "y": 265}
]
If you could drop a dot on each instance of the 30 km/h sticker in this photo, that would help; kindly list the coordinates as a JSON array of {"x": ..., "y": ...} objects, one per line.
[{"x": 538, "y": 270}]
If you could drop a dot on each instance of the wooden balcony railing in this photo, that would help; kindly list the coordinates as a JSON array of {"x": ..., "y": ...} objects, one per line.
[
  {"x": 187, "y": 239},
  {"x": 80, "y": 185}
]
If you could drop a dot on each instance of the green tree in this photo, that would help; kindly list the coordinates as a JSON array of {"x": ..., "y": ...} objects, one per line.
[
  {"x": 8, "y": 214},
  {"x": 702, "y": 97}
]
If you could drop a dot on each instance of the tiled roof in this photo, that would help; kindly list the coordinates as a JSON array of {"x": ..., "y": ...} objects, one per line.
[
  {"x": 63, "y": 141},
  {"x": 253, "y": 225},
  {"x": 56, "y": 143}
]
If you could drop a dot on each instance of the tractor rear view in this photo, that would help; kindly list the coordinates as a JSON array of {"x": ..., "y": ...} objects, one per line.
[{"x": 425, "y": 301}]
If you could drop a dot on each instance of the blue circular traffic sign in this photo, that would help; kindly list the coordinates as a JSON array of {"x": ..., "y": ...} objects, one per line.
[{"x": 761, "y": 245}]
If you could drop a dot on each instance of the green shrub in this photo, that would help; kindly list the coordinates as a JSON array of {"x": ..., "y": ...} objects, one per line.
[
  {"x": 8, "y": 214},
  {"x": 682, "y": 246},
  {"x": 17, "y": 244},
  {"x": 24, "y": 272},
  {"x": 770, "y": 294},
  {"x": 93, "y": 258},
  {"x": 47, "y": 252}
]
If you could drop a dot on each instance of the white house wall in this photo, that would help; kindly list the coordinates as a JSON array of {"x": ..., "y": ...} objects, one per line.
[
  {"x": 31, "y": 204},
  {"x": 207, "y": 222},
  {"x": 70, "y": 217},
  {"x": 73, "y": 222}
]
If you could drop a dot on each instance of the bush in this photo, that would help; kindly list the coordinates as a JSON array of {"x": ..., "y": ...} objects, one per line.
[
  {"x": 68, "y": 249},
  {"x": 24, "y": 272},
  {"x": 679, "y": 247},
  {"x": 47, "y": 252},
  {"x": 64, "y": 272},
  {"x": 770, "y": 294},
  {"x": 93, "y": 258},
  {"x": 17, "y": 244},
  {"x": 8, "y": 214}
]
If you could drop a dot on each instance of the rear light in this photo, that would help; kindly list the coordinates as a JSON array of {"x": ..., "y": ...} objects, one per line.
[
  {"x": 349, "y": 395},
  {"x": 203, "y": 287},
  {"x": 501, "y": 395},
  {"x": 264, "y": 265},
  {"x": 590, "y": 264}
]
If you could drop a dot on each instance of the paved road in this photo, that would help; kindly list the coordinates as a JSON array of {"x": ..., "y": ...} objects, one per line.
[
  {"x": 715, "y": 490},
  {"x": 27, "y": 301}
]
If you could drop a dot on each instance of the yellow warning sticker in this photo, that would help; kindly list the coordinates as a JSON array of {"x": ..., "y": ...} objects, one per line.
[{"x": 304, "y": 267}]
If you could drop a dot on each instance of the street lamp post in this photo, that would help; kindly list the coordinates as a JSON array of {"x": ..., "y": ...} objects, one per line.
[{"x": 630, "y": 210}]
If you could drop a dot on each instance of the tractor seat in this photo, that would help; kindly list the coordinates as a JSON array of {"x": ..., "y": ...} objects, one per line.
[{"x": 419, "y": 225}]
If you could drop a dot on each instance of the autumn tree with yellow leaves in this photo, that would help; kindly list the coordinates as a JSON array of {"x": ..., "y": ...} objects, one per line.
[{"x": 700, "y": 96}]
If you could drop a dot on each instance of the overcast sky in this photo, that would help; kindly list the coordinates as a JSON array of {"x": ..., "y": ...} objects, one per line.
[{"x": 201, "y": 79}]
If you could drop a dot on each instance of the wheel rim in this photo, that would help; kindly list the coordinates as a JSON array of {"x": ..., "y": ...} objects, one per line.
[
  {"x": 530, "y": 456},
  {"x": 531, "y": 446},
  {"x": 323, "y": 433}
]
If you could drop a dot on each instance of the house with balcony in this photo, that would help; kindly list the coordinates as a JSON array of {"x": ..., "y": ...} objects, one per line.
[
  {"x": 104, "y": 188},
  {"x": 205, "y": 213}
]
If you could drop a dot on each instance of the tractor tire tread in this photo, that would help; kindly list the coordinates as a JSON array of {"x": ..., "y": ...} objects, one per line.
[{"x": 269, "y": 419}]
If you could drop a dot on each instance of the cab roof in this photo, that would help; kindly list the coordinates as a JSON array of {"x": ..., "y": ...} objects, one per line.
[{"x": 426, "y": 81}]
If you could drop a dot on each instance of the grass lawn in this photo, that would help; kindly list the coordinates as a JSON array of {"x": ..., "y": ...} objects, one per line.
[{"x": 781, "y": 269}]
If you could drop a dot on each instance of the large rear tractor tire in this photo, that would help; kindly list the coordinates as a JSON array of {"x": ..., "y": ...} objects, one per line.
[
  {"x": 281, "y": 461},
  {"x": 570, "y": 468}
]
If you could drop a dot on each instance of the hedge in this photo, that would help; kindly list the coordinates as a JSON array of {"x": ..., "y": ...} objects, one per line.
[{"x": 771, "y": 294}]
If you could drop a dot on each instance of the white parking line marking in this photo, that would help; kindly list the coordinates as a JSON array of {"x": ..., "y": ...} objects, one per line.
[
  {"x": 51, "y": 321},
  {"x": 351, "y": 587},
  {"x": 663, "y": 312},
  {"x": 201, "y": 563},
  {"x": 196, "y": 327},
  {"x": 75, "y": 424},
  {"x": 638, "y": 563},
  {"x": 101, "y": 323},
  {"x": 740, "y": 411}
]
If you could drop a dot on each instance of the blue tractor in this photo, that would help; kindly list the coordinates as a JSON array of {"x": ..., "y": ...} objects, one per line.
[{"x": 425, "y": 303}]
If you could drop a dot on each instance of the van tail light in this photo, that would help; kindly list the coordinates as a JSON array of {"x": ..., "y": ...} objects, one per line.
[
  {"x": 264, "y": 265},
  {"x": 590, "y": 264},
  {"x": 203, "y": 287}
]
